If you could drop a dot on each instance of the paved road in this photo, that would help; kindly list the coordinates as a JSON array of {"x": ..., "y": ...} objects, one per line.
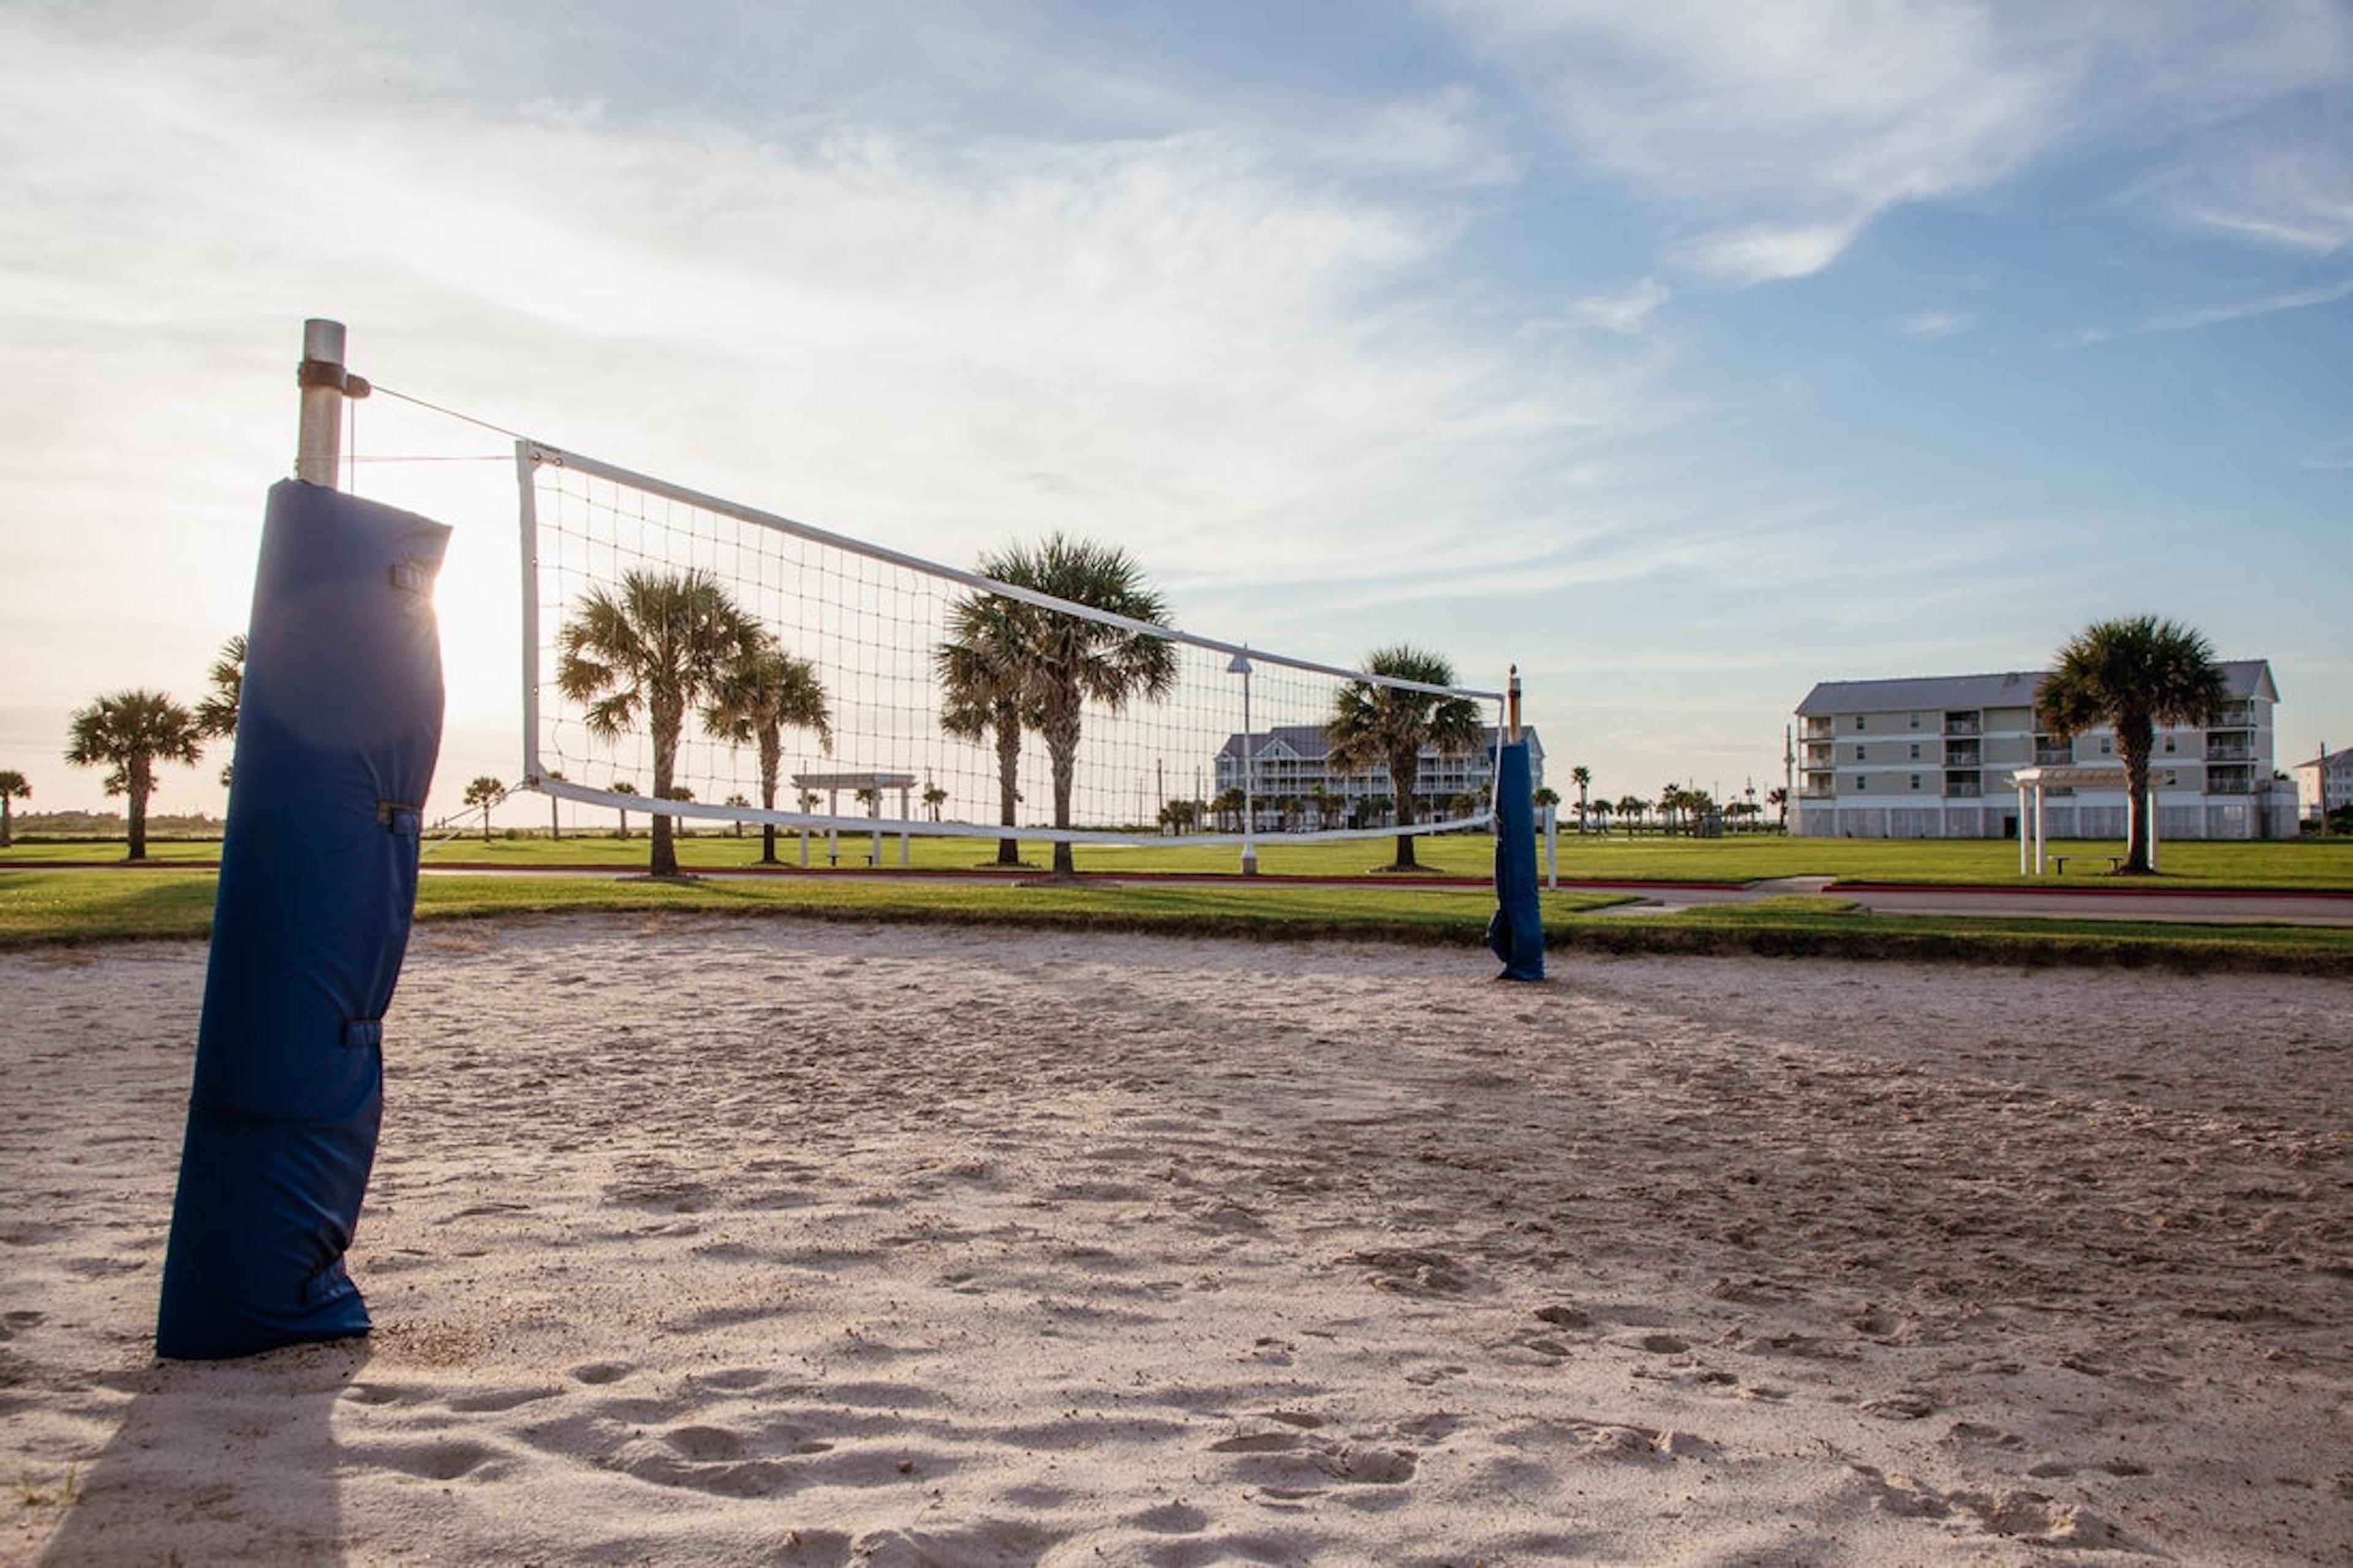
[{"x": 2054, "y": 903}]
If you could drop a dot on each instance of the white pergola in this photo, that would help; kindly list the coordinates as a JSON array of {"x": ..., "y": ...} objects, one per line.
[
  {"x": 2033, "y": 781},
  {"x": 833, "y": 784}
]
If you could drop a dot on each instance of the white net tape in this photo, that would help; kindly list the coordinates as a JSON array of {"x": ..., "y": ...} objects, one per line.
[{"x": 1232, "y": 743}]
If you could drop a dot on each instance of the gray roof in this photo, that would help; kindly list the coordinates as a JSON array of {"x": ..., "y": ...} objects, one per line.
[
  {"x": 1312, "y": 743},
  {"x": 2241, "y": 677}
]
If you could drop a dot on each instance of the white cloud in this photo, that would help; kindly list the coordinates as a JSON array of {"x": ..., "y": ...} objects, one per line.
[
  {"x": 1770, "y": 137},
  {"x": 2194, "y": 318},
  {"x": 1774, "y": 133},
  {"x": 1933, "y": 324},
  {"x": 1767, "y": 253},
  {"x": 1625, "y": 313}
]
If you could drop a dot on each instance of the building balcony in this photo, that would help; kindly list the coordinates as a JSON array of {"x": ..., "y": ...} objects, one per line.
[
  {"x": 1816, "y": 730},
  {"x": 1963, "y": 724},
  {"x": 2056, "y": 756},
  {"x": 2229, "y": 751},
  {"x": 1964, "y": 755}
]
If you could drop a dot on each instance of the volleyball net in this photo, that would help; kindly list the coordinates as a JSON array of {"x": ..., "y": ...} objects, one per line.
[{"x": 688, "y": 655}]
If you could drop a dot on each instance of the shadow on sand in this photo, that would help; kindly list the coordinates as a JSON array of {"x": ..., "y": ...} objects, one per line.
[{"x": 218, "y": 1462}]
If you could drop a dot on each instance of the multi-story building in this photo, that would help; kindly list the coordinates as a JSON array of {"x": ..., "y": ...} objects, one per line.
[
  {"x": 1933, "y": 756},
  {"x": 1294, "y": 761},
  {"x": 2325, "y": 783}
]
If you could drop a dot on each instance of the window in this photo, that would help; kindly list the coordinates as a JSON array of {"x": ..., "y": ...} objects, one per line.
[
  {"x": 1915, "y": 720},
  {"x": 1916, "y": 781},
  {"x": 1916, "y": 752},
  {"x": 2107, "y": 748},
  {"x": 2168, "y": 751},
  {"x": 1862, "y": 723},
  {"x": 1863, "y": 781},
  {"x": 1862, "y": 753}
]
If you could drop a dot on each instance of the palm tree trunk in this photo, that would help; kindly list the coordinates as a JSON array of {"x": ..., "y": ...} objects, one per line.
[
  {"x": 1401, "y": 780},
  {"x": 7, "y": 825},
  {"x": 2134, "y": 735},
  {"x": 667, "y": 718},
  {"x": 1065, "y": 755},
  {"x": 139, "y": 784},
  {"x": 771, "y": 764},
  {"x": 1008, "y": 793}
]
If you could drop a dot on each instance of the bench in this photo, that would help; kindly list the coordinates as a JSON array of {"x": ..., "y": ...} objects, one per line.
[{"x": 2061, "y": 860}]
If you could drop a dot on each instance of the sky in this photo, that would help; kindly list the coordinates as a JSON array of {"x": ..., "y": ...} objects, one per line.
[{"x": 1683, "y": 353}]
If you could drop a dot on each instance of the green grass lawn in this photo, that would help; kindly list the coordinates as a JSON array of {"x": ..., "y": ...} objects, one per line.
[
  {"x": 2303, "y": 864},
  {"x": 47, "y": 907},
  {"x": 39, "y": 907}
]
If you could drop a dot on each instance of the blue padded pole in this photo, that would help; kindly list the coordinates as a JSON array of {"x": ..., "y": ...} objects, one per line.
[
  {"x": 1515, "y": 934},
  {"x": 338, "y": 731}
]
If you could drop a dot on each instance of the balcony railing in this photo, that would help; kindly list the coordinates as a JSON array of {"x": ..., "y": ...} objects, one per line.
[
  {"x": 1968, "y": 791},
  {"x": 2229, "y": 751},
  {"x": 1955, "y": 724},
  {"x": 1963, "y": 756},
  {"x": 2053, "y": 756},
  {"x": 1817, "y": 730}
]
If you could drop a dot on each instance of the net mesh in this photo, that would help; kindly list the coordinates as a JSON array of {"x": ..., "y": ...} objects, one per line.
[{"x": 1220, "y": 742}]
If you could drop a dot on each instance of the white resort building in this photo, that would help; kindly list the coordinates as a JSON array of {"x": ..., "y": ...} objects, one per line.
[
  {"x": 1294, "y": 761},
  {"x": 2325, "y": 783},
  {"x": 1934, "y": 756}
]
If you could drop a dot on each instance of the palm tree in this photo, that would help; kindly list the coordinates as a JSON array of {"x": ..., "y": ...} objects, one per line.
[
  {"x": 216, "y": 714},
  {"x": 485, "y": 792},
  {"x": 1605, "y": 810},
  {"x": 1375, "y": 724},
  {"x": 1581, "y": 776},
  {"x": 623, "y": 786},
  {"x": 735, "y": 828},
  {"x": 1548, "y": 797},
  {"x": 1632, "y": 807},
  {"x": 1678, "y": 804},
  {"x": 13, "y": 787},
  {"x": 934, "y": 798},
  {"x": 2131, "y": 675},
  {"x": 554, "y": 810},
  {"x": 131, "y": 732},
  {"x": 986, "y": 693},
  {"x": 758, "y": 698},
  {"x": 1778, "y": 797},
  {"x": 1067, "y": 660},
  {"x": 657, "y": 647}
]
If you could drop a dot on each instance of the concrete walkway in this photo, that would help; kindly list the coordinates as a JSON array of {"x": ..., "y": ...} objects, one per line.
[{"x": 2078, "y": 903}]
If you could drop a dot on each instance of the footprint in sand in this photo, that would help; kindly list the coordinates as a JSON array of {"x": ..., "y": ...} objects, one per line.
[
  {"x": 1412, "y": 1271},
  {"x": 597, "y": 1372}
]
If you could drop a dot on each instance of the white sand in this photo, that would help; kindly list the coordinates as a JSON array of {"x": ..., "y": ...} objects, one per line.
[{"x": 786, "y": 1243}]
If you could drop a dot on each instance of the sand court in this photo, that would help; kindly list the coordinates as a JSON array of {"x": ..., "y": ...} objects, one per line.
[{"x": 781, "y": 1242}]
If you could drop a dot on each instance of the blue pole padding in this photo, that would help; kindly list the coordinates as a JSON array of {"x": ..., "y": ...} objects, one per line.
[
  {"x": 1515, "y": 934},
  {"x": 339, "y": 726}
]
